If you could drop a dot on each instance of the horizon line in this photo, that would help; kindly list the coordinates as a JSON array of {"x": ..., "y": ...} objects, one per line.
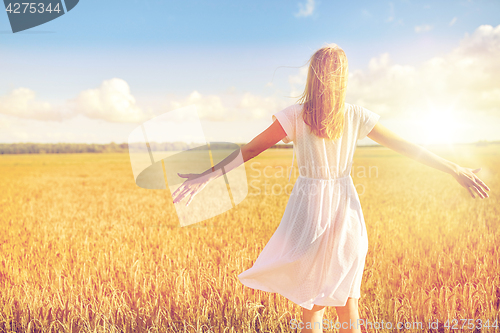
[{"x": 240, "y": 143}]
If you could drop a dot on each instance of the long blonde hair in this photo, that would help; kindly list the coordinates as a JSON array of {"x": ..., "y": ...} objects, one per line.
[{"x": 324, "y": 94}]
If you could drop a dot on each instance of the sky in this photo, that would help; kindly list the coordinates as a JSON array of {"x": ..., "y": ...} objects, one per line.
[{"x": 430, "y": 69}]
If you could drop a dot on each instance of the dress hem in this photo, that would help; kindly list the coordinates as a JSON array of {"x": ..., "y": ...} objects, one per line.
[{"x": 259, "y": 286}]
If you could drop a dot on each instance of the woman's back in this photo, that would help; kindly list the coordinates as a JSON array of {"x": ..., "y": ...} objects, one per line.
[
  {"x": 317, "y": 254},
  {"x": 323, "y": 158}
]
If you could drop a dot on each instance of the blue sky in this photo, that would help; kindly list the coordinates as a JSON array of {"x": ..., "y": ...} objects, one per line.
[{"x": 157, "y": 55}]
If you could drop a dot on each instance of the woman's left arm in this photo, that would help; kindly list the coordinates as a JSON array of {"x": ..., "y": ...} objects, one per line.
[{"x": 196, "y": 182}]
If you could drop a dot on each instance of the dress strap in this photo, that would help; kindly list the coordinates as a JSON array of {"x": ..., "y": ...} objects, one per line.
[{"x": 293, "y": 157}]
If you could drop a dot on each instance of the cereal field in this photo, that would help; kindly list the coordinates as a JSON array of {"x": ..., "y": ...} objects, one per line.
[{"x": 83, "y": 249}]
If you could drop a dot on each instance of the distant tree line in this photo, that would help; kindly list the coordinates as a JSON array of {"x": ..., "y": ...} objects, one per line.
[
  {"x": 61, "y": 148},
  {"x": 71, "y": 148}
]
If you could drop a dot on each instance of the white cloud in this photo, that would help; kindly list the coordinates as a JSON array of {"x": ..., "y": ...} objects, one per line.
[
  {"x": 306, "y": 10},
  {"x": 231, "y": 106},
  {"x": 466, "y": 79},
  {"x": 112, "y": 102},
  {"x": 258, "y": 107},
  {"x": 209, "y": 107},
  {"x": 423, "y": 28},
  {"x": 453, "y": 21},
  {"x": 22, "y": 103}
]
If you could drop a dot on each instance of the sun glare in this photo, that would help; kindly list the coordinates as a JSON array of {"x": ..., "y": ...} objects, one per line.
[{"x": 440, "y": 127}]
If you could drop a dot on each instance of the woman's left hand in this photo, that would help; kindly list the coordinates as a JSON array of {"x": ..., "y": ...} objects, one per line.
[{"x": 192, "y": 186}]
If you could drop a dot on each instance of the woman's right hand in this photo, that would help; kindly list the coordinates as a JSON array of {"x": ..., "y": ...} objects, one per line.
[{"x": 467, "y": 178}]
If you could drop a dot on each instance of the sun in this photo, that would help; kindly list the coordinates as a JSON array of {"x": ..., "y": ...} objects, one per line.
[{"x": 441, "y": 126}]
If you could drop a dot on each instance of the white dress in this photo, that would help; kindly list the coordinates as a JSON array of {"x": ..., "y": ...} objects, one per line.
[{"x": 317, "y": 253}]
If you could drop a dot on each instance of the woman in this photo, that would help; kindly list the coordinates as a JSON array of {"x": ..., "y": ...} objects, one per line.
[{"x": 316, "y": 256}]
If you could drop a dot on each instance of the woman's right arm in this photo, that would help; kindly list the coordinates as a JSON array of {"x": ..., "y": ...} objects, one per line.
[{"x": 464, "y": 176}]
